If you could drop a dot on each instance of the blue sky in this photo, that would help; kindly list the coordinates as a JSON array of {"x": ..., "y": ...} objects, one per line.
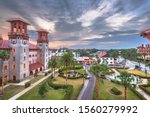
[{"x": 102, "y": 24}]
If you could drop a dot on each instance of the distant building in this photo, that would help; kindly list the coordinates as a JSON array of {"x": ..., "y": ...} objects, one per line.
[
  {"x": 110, "y": 61},
  {"x": 144, "y": 49},
  {"x": 25, "y": 58}
]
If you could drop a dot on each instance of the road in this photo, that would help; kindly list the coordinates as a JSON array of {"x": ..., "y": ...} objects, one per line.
[{"x": 87, "y": 90}]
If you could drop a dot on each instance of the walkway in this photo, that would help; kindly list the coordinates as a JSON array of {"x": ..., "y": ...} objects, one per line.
[
  {"x": 29, "y": 88},
  {"x": 143, "y": 93}
]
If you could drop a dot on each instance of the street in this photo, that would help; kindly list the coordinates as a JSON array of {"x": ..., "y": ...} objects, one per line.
[{"x": 87, "y": 90}]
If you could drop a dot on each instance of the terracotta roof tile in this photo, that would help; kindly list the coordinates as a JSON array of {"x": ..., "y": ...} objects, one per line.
[
  {"x": 35, "y": 66},
  {"x": 4, "y": 44}
]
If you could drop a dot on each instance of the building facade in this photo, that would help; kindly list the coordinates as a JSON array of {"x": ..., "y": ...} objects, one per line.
[
  {"x": 25, "y": 58},
  {"x": 144, "y": 49}
]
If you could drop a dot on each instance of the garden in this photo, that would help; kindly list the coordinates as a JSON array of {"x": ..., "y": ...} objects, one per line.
[{"x": 112, "y": 91}]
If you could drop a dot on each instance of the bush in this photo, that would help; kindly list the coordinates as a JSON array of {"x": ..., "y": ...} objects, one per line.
[
  {"x": 46, "y": 74},
  {"x": 27, "y": 84},
  {"x": 115, "y": 91},
  {"x": 15, "y": 81}
]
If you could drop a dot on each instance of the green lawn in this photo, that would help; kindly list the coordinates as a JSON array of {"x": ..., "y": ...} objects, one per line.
[
  {"x": 136, "y": 72},
  {"x": 33, "y": 80},
  {"x": 11, "y": 91},
  {"x": 77, "y": 85},
  {"x": 50, "y": 95},
  {"x": 81, "y": 71},
  {"x": 105, "y": 94}
]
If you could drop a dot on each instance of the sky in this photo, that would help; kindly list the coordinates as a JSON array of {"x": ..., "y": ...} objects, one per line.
[{"x": 102, "y": 24}]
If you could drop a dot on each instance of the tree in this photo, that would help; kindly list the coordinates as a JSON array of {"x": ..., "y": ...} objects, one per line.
[
  {"x": 99, "y": 70},
  {"x": 144, "y": 55},
  {"x": 126, "y": 79},
  {"x": 52, "y": 63},
  {"x": 66, "y": 62},
  {"x": 42, "y": 90},
  {"x": 4, "y": 55}
]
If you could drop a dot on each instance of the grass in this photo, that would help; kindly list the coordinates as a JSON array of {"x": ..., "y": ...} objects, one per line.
[
  {"x": 35, "y": 79},
  {"x": 11, "y": 91},
  {"x": 50, "y": 95},
  {"x": 81, "y": 71},
  {"x": 77, "y": 85},
  {"x": 136, "y": 72},
  {"x": 105, "y": 94}
]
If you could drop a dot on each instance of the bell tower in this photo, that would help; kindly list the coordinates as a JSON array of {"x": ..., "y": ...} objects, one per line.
[
  {"x": 42, "y": 43},
  {"x": 19, "y": 42}
]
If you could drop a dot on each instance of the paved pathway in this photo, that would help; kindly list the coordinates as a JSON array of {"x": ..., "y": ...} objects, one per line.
[
  {"x": 29, "y": 88},
  {"x": 143, "y": 93}
]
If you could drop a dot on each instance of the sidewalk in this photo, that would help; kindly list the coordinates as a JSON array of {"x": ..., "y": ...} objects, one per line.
[
  {"x": 29, "y": 88},
  {"x": 143, "y": 93}
]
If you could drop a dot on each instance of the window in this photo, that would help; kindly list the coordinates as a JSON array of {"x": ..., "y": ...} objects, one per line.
[
  {"x": 5, "y": 67},
  {"x": 24, "y": 58},
  {"x": 14, "y": 78},
  {"x": 14, "y": 50},
  {"x": 24, "y": 65},
  {"x": 24, "y": 75},
  {"x": 13, "y": 58},
  {"x": 24, "y": 50},
  {"x": 29, "y": 55},
  {"x": 14, "y": 66}
]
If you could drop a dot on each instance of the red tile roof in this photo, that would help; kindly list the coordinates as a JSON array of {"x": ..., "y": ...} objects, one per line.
[
  {"x": 32, "y": 46},
  {"x": 4, "y": 44},
  {"x": 102, "y": 54},
  {"x": 35, "y": 66}
]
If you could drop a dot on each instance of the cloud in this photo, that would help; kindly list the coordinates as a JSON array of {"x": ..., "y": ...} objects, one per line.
[
  {"x": 44, "y": 24},
  {"x": 118, "y": 20},
  {"x": 89, "y": 16},
  {"x": 81, "y": 23}
]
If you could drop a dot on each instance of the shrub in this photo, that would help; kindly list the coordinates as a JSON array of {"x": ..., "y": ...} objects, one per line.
[
  {"x": 27, "y": 84},
  {"x": 46, "y": 74},
  {"x": 16, "y": 81},
  {"x": 115, "y": 91},
  {"x": 42, "y": 90}
]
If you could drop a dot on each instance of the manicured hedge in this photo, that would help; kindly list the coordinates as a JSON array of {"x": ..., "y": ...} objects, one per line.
[
  {"x": 116, "y": 91},
  {"x": 132, "y": 89},
  {"x": 27, "y": 84},
  {"x": 143, "y": 87},
  {"x": 68, "y": 88}
]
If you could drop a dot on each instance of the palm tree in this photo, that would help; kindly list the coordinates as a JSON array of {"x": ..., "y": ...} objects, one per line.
[
  {"x": 67, "y": 59},
  {"x": 125, "y": 81},
  {"x": 4, "y": 55},
  {"x": 144, "y": 55},
  {"x": 52, "y": 63}
]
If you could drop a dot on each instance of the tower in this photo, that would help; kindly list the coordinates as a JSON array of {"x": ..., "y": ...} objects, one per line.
[
  {"x": 19, "y": 42},
  {"x": 42, "y": 44}
]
